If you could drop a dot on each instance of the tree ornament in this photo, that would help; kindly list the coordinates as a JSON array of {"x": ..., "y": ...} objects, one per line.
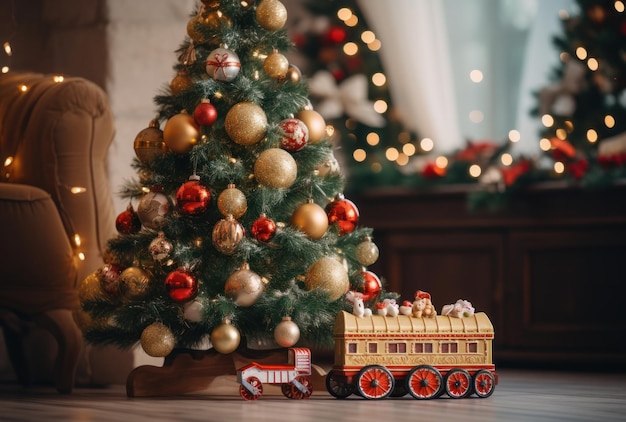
[
  {"x": 366, "y": 252},
  {"x": 193, "y": 198},
  {"x": 181, "y": 83},
  {"x": 157, "y": 340},
  {"x": 294, "y": 75},
  {"x": 181, "y": 286},
  {"x": 152, "y": 210},
  {"x": 329, "y": 275},
  {"x": 244, "y": 286},
  {"x": 271, "y": 15},
  {"x": 232, "y": 201},
  {"x": 149, "y": 143},
  {"x": 202, "y": 27},
  {"x": 295, "y": 134},
  {"x": 109, "y": 277},
  {"x": 211, "y": 4},
  {"x": 275, "y": 168},
  {"x": 193, "y": 311},
  {"x": 205, "y": 113},
  {"x": 311, "y": 219},
  {"x": 90, "y": 287},
  {"x": 343, "y": 213},
  {"x": 287, "y": 332},
  {"x": 181, "y": 133},
  {"x": 223, "y": 64},
  {"x": 246, "y": 123},
  {"x": 276, "y": 65},
  {"x": 263, "y": 228},
  {"x": 225, "y": 337},
  {"x": 371, "y": 286},
  {"x": 160, "y": 248},
  {"x": 227, "y": 234},
  {"x": 127, "y": 221},
  {"x": 315, "y": 123},
  {"x": 329, "y": 166},
  {"x": 134, "y": 283}
]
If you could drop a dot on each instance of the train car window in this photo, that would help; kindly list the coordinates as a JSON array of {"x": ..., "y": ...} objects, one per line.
[
  {"x": 449, "y": 348},
  {"x": 372, "y": 347},
  {"x": 397, "y": 347},
  {"x": 423, "y": 348},
  {"x": 472, "y": 347},
  {"x": 351, "y": 347}
]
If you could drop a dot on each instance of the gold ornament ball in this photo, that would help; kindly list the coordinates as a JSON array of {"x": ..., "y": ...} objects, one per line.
[
  {"x": 315, "y": 123},
  {"x": 134, "y": 282},
  {"x": 149, "y": 143},
  {"x": 329, "y": 275},
  {"x": 286, "y": 333},
  {"x": 225, "y": 338},
  {"x": 232, "y": 201},
  {"x": 311, "y": 219},
  {"x": 89, "y": 289},
  {"x": 227, "y": 234},
  {"x": 275, "y": 168},
  {"x": 157, "y": 340},
  {"x": 294, "y": 75},
  {"x": 181, "y": 82},
  {"x": 181, "y": 133},
  {"x": 276, "y": 65},
  {"x": 244, "y": 286},
  {"x": 366, "y": 252},
  {"x": 246, "y": 123},
  {"x": 271, "y": 15}
]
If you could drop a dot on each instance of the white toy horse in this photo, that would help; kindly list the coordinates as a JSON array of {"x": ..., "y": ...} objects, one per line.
[{"x": 358, "y": 307}]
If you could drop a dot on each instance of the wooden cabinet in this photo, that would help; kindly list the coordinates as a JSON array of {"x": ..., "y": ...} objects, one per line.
[{"x": 548, "y": 269}]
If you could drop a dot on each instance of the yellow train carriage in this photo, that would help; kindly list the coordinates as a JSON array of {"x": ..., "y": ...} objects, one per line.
[{"x": 377, "y": 356}]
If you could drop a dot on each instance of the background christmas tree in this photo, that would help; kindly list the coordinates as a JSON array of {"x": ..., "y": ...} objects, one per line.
[{"x": 237, "y": 228}]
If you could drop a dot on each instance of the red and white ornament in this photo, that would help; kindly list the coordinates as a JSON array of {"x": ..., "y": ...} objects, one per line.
[
  {"x": 160, "y": 248},
  {"x": 263, "y": 228},
  {"x": 223, "y": 64},
  {"x": 343, "y": 213},
  {"x": 205, "y": 113},
  {"x": 181, "y": 285},
  {"x": 295, "y": 134},
  {"x": 192, "y": 197}
]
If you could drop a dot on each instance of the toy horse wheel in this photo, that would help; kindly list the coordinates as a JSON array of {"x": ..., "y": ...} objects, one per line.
[
  {"x": 424, "y": 382},
  {"x": 375, "y": 382},
  {"x": 484, "y": 383},
  {"x": 337, "y": 387},
  {"x": 247, "y": 394},
  {"x": 306, "y": 383},
  {"x": 458, "y": 383}
]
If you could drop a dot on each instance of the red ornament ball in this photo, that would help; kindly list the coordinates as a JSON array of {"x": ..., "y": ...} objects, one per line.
[
  {"x": 181, "y": 285},
  {"x": 371, "y": 286},
  {"x": 263, "y": 228},
  {"x": 336, "y": 35},
  {"x": 344, "y": 214},
  {"x": 295, "y": 134},
  {"x": 128, "y": 221},
  {"x": 193, "y": 198},
  {"x": 205, "y": 114}
]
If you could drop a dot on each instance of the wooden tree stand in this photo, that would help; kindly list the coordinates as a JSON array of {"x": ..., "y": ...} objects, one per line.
[{"x": 207, "y": 373}]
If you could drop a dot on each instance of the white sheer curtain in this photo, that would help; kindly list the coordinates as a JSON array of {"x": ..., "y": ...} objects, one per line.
[{"x": 416, "y": 57}]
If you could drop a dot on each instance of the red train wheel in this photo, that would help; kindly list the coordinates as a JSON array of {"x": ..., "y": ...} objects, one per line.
[
  {"x": 306, "y": 383},
  {"x": 286, "y": 390},
  {"x": 247, "y": 394},
  {"x": 458, "y": 383},
  {"x": 484, "y": 383},
  {"x": 337, "y": 387},
  {"x": 424, "y": 382},
  {"x": 375, "y": 382}
]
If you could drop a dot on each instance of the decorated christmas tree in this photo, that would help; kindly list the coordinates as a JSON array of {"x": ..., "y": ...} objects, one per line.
[{"x": 237, "y": 231}]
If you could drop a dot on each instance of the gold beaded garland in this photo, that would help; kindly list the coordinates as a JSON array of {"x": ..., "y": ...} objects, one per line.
[
  {"x": 157, "y": 340},
  {"x": 232, "y": 201},
  {"x": 271, "y": 15},
  {"x": 246, "y": 123},
  {"x": 275, "y": 168},
  {"x": 329, "y": 275}
]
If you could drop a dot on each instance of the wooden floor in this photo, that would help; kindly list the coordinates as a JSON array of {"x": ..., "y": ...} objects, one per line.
[{"x": 521, "y": 395}]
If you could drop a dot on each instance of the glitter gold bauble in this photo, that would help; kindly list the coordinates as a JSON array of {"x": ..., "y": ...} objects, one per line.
[
  {"x": 181, "y": 82},
  {"x": 89, "y": 289},
  {"x": 311, "y": 219},
  {"x": 315, "y": 123},
  {"x": 366, "y": 252},
  {"x": 181, "y": 133},
  {"x": 329, "y": 275},
  {"x": 227, "y": 234},
  {"x": 149, "y": 143},
  {"x": 287, "y": 332},
  {"x": 246, "y": 123},
  {"x": 244, "y": 286},
  {"x": 134, "y": 283},
  {"x": 276, "y": 65},
  {"x": 157, "y": 340},
  {"x": 225, "y": 337},
  {"x": 232, "y": 201},
  {"x": 271, "y": 15},
  {"x": 275, "y": 168}
]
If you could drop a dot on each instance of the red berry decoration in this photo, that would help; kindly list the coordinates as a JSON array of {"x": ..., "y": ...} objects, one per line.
[
  {"x": 371, "y": 286},
  {"x": 343, "y": 213},
  {"x": 181, "y": 285},
  {"x": 193, "y": 198},
  {"x": 295, "y": 134},
  {"x": 205, "y": 113},
  {"x": 128, "y": 221},
  {"x": 263, "y": 228}
]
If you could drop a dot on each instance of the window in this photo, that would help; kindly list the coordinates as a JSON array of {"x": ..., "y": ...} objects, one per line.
[
  {"x": 423, "y": 348},
  {"x": 351, "y": 347},
  {"x": 372, "y": 347},
  {"x": 472, "y": 347},
  {"x": 449, "y": 348},
  {"x": 397, "y": 347}
]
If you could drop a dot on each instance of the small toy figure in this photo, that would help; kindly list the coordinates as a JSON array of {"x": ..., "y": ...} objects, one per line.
[
  {"x": 423, "y": 306},
  {"x": 387, "y": 307},
  {"x": 406, "y": 308},
  {"x": 358, "y": 307},
  {"x": 462, "y": 308}
]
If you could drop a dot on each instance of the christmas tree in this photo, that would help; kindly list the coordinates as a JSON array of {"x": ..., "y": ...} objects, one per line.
[{"x": 237, "y": 230}]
